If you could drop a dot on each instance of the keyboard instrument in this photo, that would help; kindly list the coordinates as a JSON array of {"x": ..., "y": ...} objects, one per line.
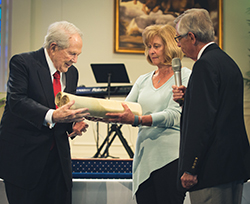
[{"x": 102, "y": 91}]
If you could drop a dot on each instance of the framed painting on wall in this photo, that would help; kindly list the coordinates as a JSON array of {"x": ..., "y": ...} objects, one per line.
[{"x": 132, "y": 16}]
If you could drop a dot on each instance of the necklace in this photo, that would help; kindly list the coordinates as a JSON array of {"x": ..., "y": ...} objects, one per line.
[{"x": 159, "y": 80}]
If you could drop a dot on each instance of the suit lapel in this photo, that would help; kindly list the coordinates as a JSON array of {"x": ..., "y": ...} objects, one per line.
[
  {"x": 45, "y": 79},
  {"x": 71, "y": 80},
  {"x": 67, "y": 76}
]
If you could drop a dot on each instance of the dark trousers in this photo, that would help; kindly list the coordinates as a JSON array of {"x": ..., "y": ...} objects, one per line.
[
  {"x": 51, "y": 188},
  {"x": 161, "y": 187}
]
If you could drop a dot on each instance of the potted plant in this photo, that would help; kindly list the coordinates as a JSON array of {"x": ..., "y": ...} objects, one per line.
[
  {"x": 2, "y": 99},
  {"x": 2, "y": 103},
  {"x": 247, "y": 74}
]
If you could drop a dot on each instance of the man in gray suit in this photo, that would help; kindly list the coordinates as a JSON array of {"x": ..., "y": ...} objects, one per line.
[
  {"x": 35, "y": 161},
  {"x": 213, "y": 142}
]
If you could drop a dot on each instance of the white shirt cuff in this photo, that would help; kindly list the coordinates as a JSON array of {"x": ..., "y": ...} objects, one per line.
[{"x": 48, "y": 119}]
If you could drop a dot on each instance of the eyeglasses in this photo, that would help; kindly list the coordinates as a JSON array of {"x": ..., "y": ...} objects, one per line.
[{"x": 179, "y": 37}]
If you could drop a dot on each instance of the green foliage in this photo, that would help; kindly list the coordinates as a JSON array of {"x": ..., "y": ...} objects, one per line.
[
  {"x": 2, "y": 101},
  {"x": 247, "y": 74},
  {"x": 247, "y": 79}
]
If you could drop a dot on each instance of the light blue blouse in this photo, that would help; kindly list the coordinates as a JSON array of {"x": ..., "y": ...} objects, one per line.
[{"x": 158, "y": 144}]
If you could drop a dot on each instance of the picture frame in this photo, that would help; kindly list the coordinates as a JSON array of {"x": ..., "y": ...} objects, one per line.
[{"x": 132, "y": 16}]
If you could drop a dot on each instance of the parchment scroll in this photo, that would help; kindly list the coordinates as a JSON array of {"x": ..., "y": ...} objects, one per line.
[{"x": 97, "y": 107}]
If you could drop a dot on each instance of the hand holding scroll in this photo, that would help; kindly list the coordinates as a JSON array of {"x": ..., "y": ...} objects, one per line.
[
  {"x": 66, "y": 115},
  {"x": 98, "y": 108},
  {"x": 126, "y": 117}
]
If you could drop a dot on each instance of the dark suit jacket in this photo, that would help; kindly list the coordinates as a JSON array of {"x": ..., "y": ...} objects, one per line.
[
  {"x": 213, "y": 137},
  {"x": 24, "y": 141}
]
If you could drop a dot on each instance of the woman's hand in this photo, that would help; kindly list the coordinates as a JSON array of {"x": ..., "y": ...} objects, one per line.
[{"x": 126, "y": 117}]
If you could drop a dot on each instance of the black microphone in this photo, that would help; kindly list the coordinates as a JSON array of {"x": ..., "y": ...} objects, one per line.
[{"x": 176, "y": 66}]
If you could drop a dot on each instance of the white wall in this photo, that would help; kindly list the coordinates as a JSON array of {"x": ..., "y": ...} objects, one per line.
[
  {"x": 31, "y": 19},
  {"x": 96, "y": 19},
  {"x": 237, "y": 42}
]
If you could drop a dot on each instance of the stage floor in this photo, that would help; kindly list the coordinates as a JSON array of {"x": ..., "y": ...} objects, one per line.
[
  {"x": 96, "y": 191},
  {"x": 106, "y": 181},
  {"x": 109, "y": 191}
]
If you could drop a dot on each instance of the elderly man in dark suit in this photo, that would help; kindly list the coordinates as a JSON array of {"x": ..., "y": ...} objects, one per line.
[
  {"x": 35, "y": 161},
  {"x": 213, "y": 141}
]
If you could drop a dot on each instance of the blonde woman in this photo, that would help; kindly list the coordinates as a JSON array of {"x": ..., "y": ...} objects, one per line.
[{"x": 155, "y": 161}]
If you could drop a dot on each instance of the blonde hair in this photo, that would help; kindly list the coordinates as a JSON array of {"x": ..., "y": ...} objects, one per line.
[{"x": 167, "y": 34}]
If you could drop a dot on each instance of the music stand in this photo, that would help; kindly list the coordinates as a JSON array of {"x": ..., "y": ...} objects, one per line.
[{"x": 111, "y": 73}]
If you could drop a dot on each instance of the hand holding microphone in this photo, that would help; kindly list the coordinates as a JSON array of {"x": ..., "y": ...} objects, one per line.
[{"x": 178, "y": 90}]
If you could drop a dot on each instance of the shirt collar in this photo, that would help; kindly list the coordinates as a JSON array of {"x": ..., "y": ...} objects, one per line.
[
  {"x": 53, "y": 70},
  {"x": 50, "y": 63},
  {"x": 202, "y": 49}
]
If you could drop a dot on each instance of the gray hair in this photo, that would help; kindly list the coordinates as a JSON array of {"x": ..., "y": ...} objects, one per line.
[
  {"x": 60, "y": 33},
  {"x": 198, "y": 22}
]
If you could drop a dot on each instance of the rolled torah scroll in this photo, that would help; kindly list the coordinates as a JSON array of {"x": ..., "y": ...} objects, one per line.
[{"x": 97, "y": 107}]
